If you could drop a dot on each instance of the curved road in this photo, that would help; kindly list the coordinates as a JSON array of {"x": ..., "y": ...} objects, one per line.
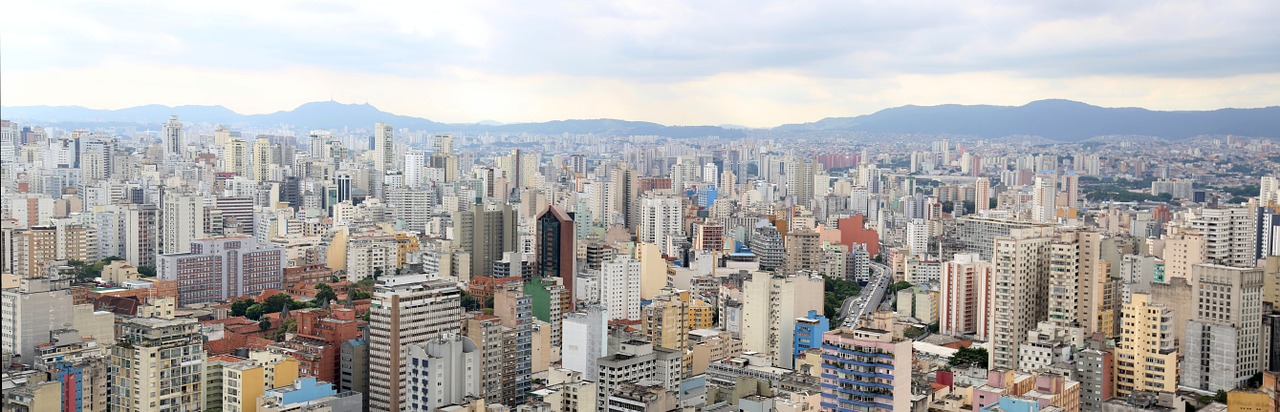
[{"x": 854, "y": 308}]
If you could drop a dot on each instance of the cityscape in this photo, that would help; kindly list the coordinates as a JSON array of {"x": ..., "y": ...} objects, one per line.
[{"x": 1089, "y": 251}]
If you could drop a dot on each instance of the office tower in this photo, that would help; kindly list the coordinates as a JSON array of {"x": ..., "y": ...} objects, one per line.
[
  {"x": 882, "y": 381},
  {"x": 620, "y": 287},
  {"x": 384, "y": 150},
  {"x": 442, "y": 372},
  {"x": 405, "y": 310},
  {"x": 236, "y": 158},
  {"x": 981, "y": 194},
  {"x": 767, "y": 245},
  {"x": 486, "y": 233},
  {"x": 31, "y": 311},
  {"x": 415, "y": 169},
  {"x": 342, "y": 181},
  {"x": 157, "y": 366},
  {"x": 1228, "y": 235},
  {"x": 809, "y": 331},
  {"x": 1044, "y": 201},
  {"x": 172, "y": 137},
  {"x": 1022, "y": 290},
  {"x": 772, "y": 304},
  {"x": 80, "y": 364},
  {"x": 966, "y": 293},
  {"x": 1076, "y": 280},
  {"x": 556, "y": 251},
  {"x": 412, "y": 208},
  {"x": 220, "y": 269},
  {"x": 661, "y": 215},
  {"x": 182, "y": 222},
  {"x": 588, "y": 332},
  {"x": 1224, "y": 337},
  {"x": 1266, "y": 233},
  {"x": 1146, "y": 354},
  {"x": 800, "y": 178}
]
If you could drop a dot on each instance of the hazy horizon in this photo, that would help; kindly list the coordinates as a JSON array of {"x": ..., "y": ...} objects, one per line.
[{"x": 757, "y": 65}]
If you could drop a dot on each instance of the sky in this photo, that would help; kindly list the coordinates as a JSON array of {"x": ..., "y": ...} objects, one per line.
[{"x": 753, "y": 63}]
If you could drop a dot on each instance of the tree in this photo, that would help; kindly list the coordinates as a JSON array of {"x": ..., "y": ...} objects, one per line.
[
  {"x": 277, "y": 302},
  {"x": 147, "y": 271},
  {"x": 239, "y": 307},
  {"x": 324, "y": 293},
  {"x": 377, "y": 272},
  {"x": 264, "y": 324},
  {"x": 899, "y": 285},
  {"x": 470, "y": 302},
  {"x": 255, "y": 311},
  {"x": 969, "y": 356}
]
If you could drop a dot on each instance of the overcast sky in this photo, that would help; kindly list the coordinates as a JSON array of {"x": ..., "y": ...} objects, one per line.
[{"x": 675, "y": 62}]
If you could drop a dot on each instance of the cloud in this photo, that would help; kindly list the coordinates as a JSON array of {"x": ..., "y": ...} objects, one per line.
[{"x": 746, "y": 62}]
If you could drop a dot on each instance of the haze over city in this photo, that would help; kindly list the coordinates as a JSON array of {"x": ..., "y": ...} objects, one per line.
[{"x": 757, "y": 64}]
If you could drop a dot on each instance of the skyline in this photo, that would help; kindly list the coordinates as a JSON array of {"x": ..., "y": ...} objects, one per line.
[{"x": 757, "y": 66}]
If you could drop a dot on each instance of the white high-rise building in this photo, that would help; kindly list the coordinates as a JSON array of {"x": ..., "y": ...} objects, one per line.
[
  {"x": 172, "y": 136},
  {"x": 181, "y": 221},
  {"x": 1021, "y": 262},
  {"x": 415, "y": 168},
  {"x": 1269, "y": 191},
  {"x": 406, "y": 310},
  {"x": 981, "y": 194},
  {"x": 771, "y": 304},
  {"x": 384, "y": 150},
  {"x": 965, "y": 296},
  {"x": 661, "y": 214},
  {"x": 709, "y": 173},
  {"x": 1228, "y": 235},
  {"x": 1044, "y": 199},
  {"x": 800, "y": 178},
  {"x": 587, "y": 333},
  {"x": 620, "y": 287},
  {"x": 918, "y": 237},
  {"x": 442, "y": 372},
  {"x": 1224, "y": 344}
]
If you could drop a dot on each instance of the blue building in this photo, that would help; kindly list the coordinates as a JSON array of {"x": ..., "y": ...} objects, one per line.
[
  {"x": 809, "y": 330},
  {"x": 707, "y": 195}
]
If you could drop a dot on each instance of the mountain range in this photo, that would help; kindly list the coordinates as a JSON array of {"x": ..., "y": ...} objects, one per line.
[{"x": 1061, "y": 120}]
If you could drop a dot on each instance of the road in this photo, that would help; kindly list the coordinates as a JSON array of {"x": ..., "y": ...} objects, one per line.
[{"x": 854, "y": 308}]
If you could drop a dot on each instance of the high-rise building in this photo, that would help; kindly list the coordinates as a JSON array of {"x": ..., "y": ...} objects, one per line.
[
  {"x": 965, "y": 297},
  {"x": 772, "y": 304},
  {"x": 30, "y": 312},
  {"x": 486, "y": 233},
  {"x": 918, "y": 237},
  {"x": 1146, "y": 355},
  {"x": 768, "y": 247},
  {"x": 80, "y": 364},
  {"x": 800, "y": 178},
  {"x": 384, "y": 150},
  {"x": 515, "y": 309},
  {"x": 442, "y": 372},
  {"x": 408, "y": 309},
  {"x": 978, "y": 234},
  {"x": 1021, "y": 266},
  {"x": 220, "y": 269},
  {"x": 803, "y": 252},
  {"x": 981, "y": 194},
  {"x": 1228, "y": 235},
  {"x": 157, "y": 366},
  {"x": 182, "y": 221},
  {"x": 620, "y": 287},
  {"x": 173, "y": 139},
  {"x": 1095, "y": 370},
  {"x": 1224, "y": 337},
  {"x": 661, "y": 214},
  {"x": 865, "y": 370},
  {"x": 1044, "y": 201},
  {"x": 556, "y": 251},
  {"x": 1076, "y": 280},
  {"x": 669, "y": 319},
  {"x": 588, "y": 332},
  {"x": 262, "y": 159},
  {"x": 29, "y": 250}
]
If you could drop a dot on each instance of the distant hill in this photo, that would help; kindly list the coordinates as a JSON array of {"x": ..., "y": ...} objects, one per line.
[
  {"x": 334, "y": 115},
  {"x": 1061, "y": 120}
]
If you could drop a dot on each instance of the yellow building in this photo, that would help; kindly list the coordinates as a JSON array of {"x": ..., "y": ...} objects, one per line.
[
  {"x": 669, "y": 319},
  {"x": 1146, "y": 356},
  {"x": 243, "y": 382},
  {"x": 1266, "y": 398},
  {"x": 119, "y": 271}
]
